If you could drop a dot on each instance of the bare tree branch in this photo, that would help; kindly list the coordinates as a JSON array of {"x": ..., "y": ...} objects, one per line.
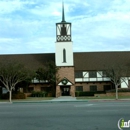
[{"x": 11, "y": 74}]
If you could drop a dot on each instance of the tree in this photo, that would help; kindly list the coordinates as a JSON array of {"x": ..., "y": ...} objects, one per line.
[
  {"x": 117, "y": 75},
  {"x": 12, "y": 73},
  {"x": 48, "y": 73}
]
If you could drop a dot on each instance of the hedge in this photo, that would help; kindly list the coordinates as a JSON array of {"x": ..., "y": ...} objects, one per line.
[
  {"x": 78, "y": 93},
  {"x": 85, "y": 93},
  {"x": 38, "y": 94}
]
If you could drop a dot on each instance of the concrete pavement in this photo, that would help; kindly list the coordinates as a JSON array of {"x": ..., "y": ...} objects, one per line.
[
  {"x": 64, "y": 99},
  {"x": 63, "y": 116}
]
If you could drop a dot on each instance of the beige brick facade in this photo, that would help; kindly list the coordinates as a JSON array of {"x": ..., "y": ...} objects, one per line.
[{"x": 39, "y": 87}]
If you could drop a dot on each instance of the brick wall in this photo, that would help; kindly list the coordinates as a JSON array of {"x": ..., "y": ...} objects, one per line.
[
  {"x": 66, "y": 72},
  {"x": 86, "y": 86},
  {"x": 37, "y": 87}
]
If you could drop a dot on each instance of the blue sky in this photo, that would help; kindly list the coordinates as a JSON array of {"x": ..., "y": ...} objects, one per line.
[{"x": 28, "y": 26}]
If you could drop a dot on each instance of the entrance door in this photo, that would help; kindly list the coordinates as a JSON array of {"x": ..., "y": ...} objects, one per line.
[{"x": 65, "y": 90}]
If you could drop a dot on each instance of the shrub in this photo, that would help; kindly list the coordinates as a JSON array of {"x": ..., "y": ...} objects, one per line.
[
  {"x": 5, "y": 96},
  {"x": 49, "y": 94},
  {"x": 124, "y": 90},
  {"x": 78, "y": 93},
  {"x": 17, "y": 95},
  {"x": 100, "y": 92},
  {"x": 38, "y": 94}
]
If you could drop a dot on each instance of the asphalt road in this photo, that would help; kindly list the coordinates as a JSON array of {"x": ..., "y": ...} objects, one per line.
[{"x": 63, "y": 116}]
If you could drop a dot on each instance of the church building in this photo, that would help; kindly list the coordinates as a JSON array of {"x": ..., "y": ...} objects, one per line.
[{"x": 78, "y": 71}]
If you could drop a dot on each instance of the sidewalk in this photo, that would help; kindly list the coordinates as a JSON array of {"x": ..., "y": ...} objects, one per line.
[
  {"x": 54, "y": 100},
  {"x": 60, "y": 99}
]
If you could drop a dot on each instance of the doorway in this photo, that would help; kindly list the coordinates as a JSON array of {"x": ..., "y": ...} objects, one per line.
[{"x": 65, "y": 90}]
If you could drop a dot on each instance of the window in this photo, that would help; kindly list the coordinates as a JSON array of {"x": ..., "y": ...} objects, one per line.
[
  {"x": 104, "y": 73},
  {"x": 78, "y": 74},
  {"x": 93, "y": 88},
  {"x": 107, "y": 87},
  {"x": 129, "y": 84},
  {"x": 79, "y": 88},
  {"x": 47, "y": 89},
  {"x": 64, "y": 55},
  {"x": 92, "y": 74},
  {"x": 30, "y": 89}
]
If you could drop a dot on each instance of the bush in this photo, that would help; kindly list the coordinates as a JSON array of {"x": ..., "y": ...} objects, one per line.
[
  {"x": 38, "y": 94},
  {"x": 78, "y": 93},
  {"x": 100, "y": 92},
  {"x": 49, "y": 94},
  {"x": 17, "y": 95},
  {"x": 5, "y": 96}
]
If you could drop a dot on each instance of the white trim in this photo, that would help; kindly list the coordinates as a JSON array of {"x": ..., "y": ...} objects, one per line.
[{"x": 68, "y": 84}]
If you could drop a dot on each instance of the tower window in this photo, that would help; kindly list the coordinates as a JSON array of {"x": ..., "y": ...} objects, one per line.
[
  {"x": 64, "y": 55},
  {"x": 63, "y": 30}
]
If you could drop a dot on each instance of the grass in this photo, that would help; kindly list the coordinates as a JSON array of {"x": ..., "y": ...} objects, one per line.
[
  {"x": 50, "y": 98},
  {"x": 29, "y": 99}
]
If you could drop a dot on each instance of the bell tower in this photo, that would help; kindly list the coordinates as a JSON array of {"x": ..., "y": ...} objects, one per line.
[{"x": 64, "y": 48}]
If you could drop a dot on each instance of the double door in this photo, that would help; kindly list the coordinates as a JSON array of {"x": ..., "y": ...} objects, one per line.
[{"x": 65, "y": 90}]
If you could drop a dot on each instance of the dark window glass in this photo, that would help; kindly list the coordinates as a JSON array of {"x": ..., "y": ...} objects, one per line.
[
  {"x": 93, "y": 88},
  {"x": 64, "y": 55},
  {"x": 129, "y": 84},
  {"x": 63, "y": 30},
  {"x": 92, "y": 74},
  {"x": 107, "y": 87},
  {"x": 104, "y": 73},
  {"x": 30, "y": 89},
  {"x": 46, "y": 89},
  {"x": 79, "y": 88},
  {"x": 78, "y": 74}
]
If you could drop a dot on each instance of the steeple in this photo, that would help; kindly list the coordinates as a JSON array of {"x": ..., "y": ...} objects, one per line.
[
  {"x": 63, "y": 15},
  {"x": 64, "y": 48},
  {"x": 63, "y": 29}
]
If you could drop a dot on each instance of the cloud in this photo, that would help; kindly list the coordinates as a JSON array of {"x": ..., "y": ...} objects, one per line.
[
  {"x": 103, "y": 31},
  {"x": 97, "y": 25}
]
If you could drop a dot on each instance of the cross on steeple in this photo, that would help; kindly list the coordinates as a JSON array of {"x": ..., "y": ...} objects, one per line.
[{"x": 63, "y": 15}]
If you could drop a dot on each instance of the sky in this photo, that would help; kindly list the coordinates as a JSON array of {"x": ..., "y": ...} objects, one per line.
[{"x": 28, "y": 26}]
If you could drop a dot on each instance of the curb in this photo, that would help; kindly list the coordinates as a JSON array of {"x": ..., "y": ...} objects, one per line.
[
  {"x": 64, "y": 101},
  {"x": 5, "y": 102},
  {"x": 107, "y": 100},
  {"x": 49, "y": 101}
]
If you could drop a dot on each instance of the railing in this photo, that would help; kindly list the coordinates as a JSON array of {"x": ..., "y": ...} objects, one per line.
[{"x": 85, "y": 79}]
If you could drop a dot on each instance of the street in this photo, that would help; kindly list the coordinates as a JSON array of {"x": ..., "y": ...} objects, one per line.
[{"x": 63, "y": 116}]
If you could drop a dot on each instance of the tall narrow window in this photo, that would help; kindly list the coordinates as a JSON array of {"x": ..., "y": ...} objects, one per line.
[{"x": 64, "y": 55}]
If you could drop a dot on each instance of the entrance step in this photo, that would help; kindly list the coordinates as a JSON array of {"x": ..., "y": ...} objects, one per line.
[{"x": 65, "y": 98}]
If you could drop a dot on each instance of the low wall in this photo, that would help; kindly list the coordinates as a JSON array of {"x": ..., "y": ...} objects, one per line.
[
  {"x": 112, "y": 94},
  {"x": 27, "y": 94}
]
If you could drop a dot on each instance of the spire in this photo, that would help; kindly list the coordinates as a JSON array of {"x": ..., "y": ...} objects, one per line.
[{"x": 63, "y": 15}]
